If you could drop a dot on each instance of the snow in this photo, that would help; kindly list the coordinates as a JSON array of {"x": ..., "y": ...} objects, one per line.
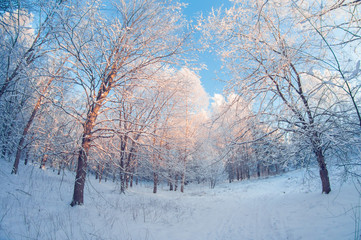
[{"x": 35, "y": 205}]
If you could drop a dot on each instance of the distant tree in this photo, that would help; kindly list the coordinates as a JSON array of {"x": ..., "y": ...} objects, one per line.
[{"x": 188, "y": 116}]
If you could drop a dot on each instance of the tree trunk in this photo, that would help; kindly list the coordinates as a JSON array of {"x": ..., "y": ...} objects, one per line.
[
  {"x": 170, "y": 185},
  {"x": 170, "y": 182},
  {"x": 238, "y": 172},
  {"x": 60, "y": 166},
  {"x": 18, "y": 155},
  {"x": 22, "y": 139},
  {"x": 126, "y": 180},
  {"x": 26, "y": 157},
  {"x": 248, "y": 172},
  {"x": 241, "y": 173},
  {"x": 317, "y": 149},
  {"x": 131, "y": 180},
  {"x": 78, "y": 196},
  {"x": 213, "y": 182},
  {"x": 183, "y": 182},
  {"x": 99, "y": 173},
  {"x": 123, "y": 150},
  {"x": 326, "y": 188},
  {"x": 155, "y": 182}
]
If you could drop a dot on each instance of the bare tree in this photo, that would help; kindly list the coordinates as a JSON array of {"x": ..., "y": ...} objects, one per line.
[
  {"x": 339, "y": 38},
  {"x": 24, "y": 44},
  {"x": 108, "y": 51},
  {"x": 266, "y": 47},
  {"x": 42, "y": 94}
]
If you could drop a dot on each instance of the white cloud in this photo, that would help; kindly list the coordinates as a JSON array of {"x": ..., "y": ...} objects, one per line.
[
  {"x": 218, "y": 102},
  {"x": 198, "y": 97}
]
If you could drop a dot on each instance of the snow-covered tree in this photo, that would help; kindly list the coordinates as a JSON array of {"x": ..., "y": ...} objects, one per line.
[
  {"x": 269, "y": 49},
  {"x": 107, "y": 51}
]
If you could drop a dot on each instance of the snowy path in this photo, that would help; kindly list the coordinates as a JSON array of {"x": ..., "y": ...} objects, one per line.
[{"x": 251, "y": 210}]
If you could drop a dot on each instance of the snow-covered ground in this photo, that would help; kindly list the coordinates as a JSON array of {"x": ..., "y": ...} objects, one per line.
[{"x": 35, "y": 205}]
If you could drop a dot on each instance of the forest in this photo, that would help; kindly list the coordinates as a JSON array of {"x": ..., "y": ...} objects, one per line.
[
  {"x": 107, "y": 132},
  {"x": 110, "y": 90}
]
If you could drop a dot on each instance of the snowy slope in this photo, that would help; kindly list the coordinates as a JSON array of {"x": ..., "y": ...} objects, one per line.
[{"x": 35, "y": 205}]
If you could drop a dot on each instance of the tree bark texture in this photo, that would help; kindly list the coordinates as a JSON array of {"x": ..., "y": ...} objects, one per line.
[
  {"x": 78, "y": 196},
  {"x": 326, "y": 188}
]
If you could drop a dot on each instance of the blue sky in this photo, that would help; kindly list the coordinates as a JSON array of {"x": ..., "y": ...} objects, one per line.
[{"x": 209, "y": 78}]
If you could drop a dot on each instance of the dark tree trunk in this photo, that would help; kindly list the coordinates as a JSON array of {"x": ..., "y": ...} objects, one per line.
[
  {"x": 170, "y": 182},
  {"x": 19, "y": 150},
  {"x": 238, "y": 172},
  {"x": 60, "y": 166},
  {"x": 155, "y": 182},
  {"x": 100, "y": 172},
  {"x": 317, "y": 149},
  {"x": 170, "y": 185},
  {"x": 241, "y": 171},
  {"x": 26, "y": 157},
  {"x": 258, "y": 170},
  {"x": 78, "y": 196},
  {"x": 326, "y": 188},
  {"x": 131, "y": 180}
]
